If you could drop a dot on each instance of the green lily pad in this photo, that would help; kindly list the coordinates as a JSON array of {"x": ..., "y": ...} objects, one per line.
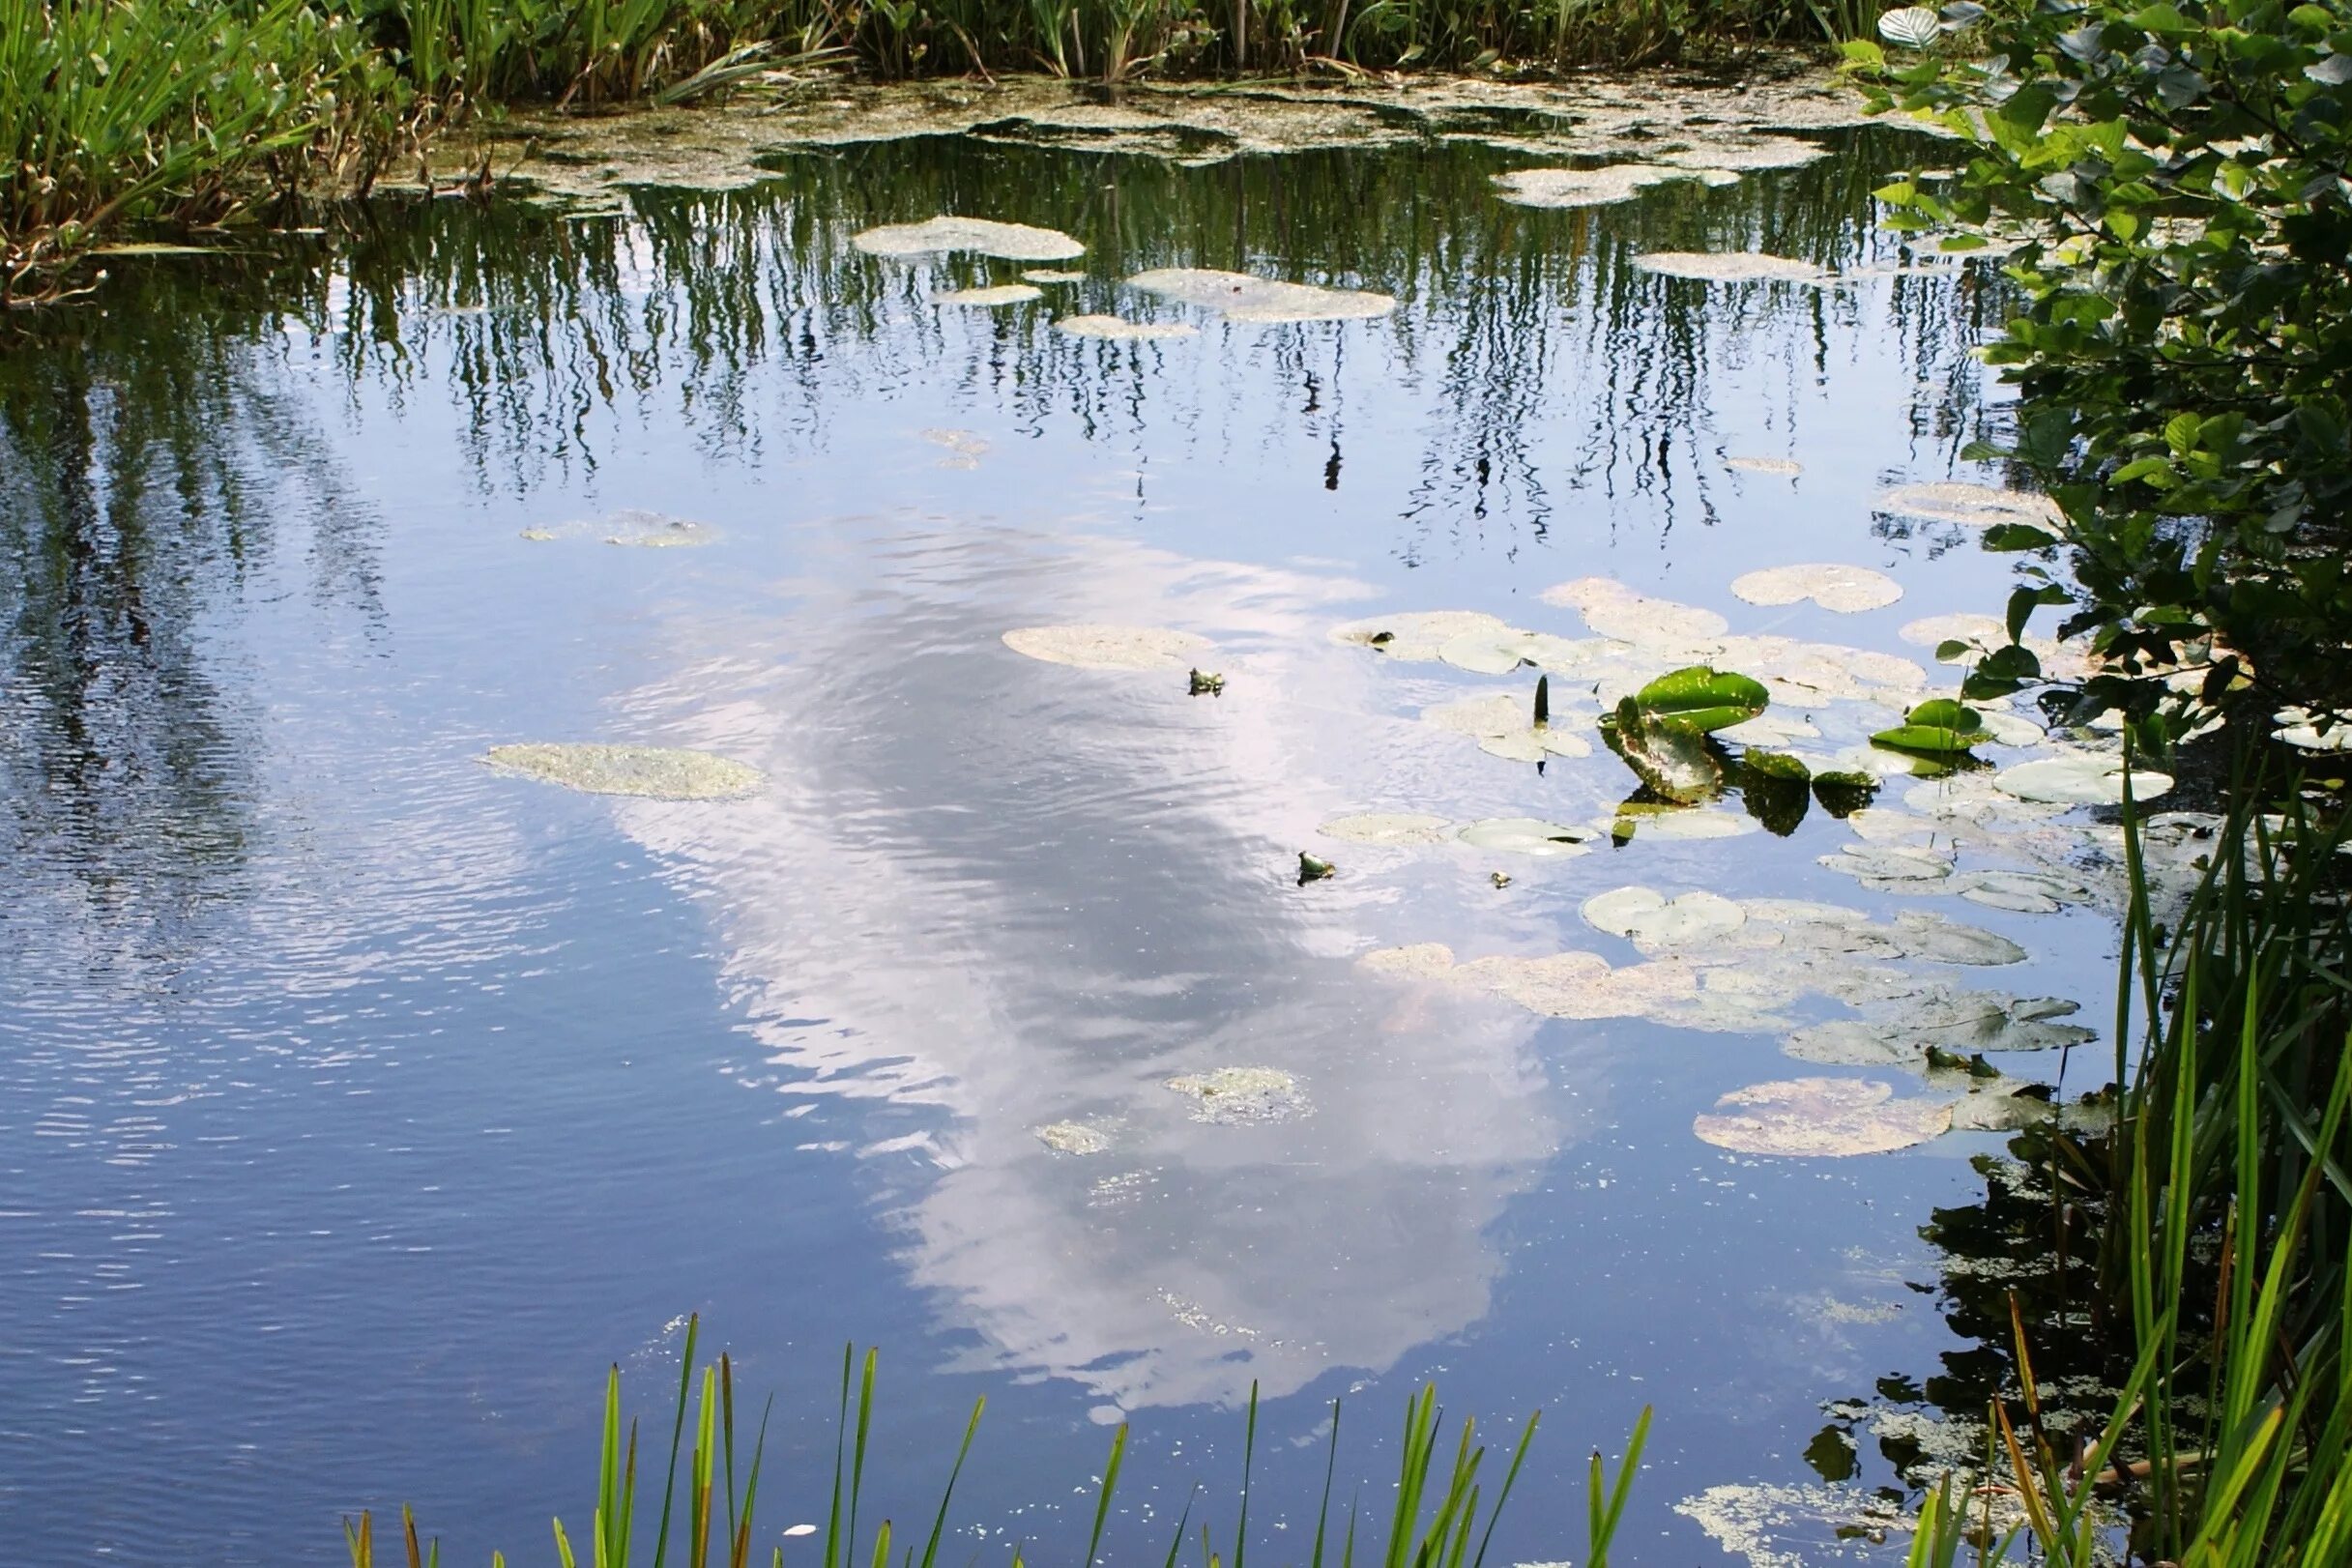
[
  {"x": 1703, "y": 698},
  {"x": 1939, "y": 727},
  {"x": 1669, "y": 756},
  {"x": 1776, "y": 766},
  {"x": 653, "y": 773}
]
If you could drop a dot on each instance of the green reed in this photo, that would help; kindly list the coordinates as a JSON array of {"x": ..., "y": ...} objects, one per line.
[{"x": 1436, "y": 1522}]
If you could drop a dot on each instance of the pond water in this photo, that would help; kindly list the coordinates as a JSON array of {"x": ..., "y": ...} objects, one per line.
[{"x": 358, "y": 1102}]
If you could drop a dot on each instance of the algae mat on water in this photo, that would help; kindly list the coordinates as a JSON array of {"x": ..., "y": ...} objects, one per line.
[{"x": 654, "y": 773}]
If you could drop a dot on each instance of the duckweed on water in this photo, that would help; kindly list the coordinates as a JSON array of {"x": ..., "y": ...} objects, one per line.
[
  {"x": 1108, "y": 646},
  {"x": 1241, "y": 297},
  {"x": 654, "y": 773},
  {"x": 1846, "y": 590},
  {"x": 977, "y": 236},
  {"x": 1821, "y": 1117}
]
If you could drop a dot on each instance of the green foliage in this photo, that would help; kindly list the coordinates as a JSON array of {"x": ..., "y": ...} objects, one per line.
[
  {"x": 1703, "y": 698},
  {"x": 1437, "y": 1518},
  {"x": 2174, "y": 179},
  {"x": 1671, "y": 758}
]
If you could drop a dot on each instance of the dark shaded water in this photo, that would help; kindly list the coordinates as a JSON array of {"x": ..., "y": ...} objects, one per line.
[{"x": 358, "y": 1105}]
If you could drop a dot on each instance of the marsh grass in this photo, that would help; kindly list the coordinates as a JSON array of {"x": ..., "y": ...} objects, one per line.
[{"x": 1436, "y": 1522}]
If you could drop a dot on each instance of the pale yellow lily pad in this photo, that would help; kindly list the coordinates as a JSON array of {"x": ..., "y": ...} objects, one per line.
[
  {"x": 1527, "y": 835},
  {"x": 1821, "y": 1117},
  {"x": 1590, "y": 188},
  {"x": 994, "y": 294},
  {"x": 1845, "y": 589},
  {"x": 1109, "y": 647},
  {"x": 1653, "y": 921},
  {"x": 1972, "y": 505},
  {"x": 2079, "y": 778},
  {"x": 1417, "y": 635},
  {"x": 1614, "y": 610},
  {"x": 980, "y": 236}
]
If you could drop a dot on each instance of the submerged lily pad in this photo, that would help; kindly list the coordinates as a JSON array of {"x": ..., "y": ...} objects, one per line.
[
  {"x": 1393, "y": 828},
  {"x": 981, "y": 236},
  {"x": 1732, "y": 267},
  {"x": 1651, "y": 920},
  {"x": 1116, "y": 329},
  {"x": 1972, "y": 505},
  {"x": 1527, "y": 835},
  {"x": 1239, "y": 297},
  {"x": 1108, "y": 646},
  {"x": 1822, "y": 1117},
  {"x": 1846, "y": 590},
  {"x": 2079, "y": 778},
  {"x": 654, "y": 773},
  {"x": 1504, "y": 726},
  {"x": 996, "y": 294},
  {"x": 1241, "y": 1094}
]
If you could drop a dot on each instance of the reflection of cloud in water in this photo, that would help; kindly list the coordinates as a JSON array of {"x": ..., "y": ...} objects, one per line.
[{"x": 1031, "y": 894}]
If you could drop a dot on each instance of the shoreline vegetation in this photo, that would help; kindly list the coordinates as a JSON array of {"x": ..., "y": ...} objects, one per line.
[{"x": 181, "y": 118}]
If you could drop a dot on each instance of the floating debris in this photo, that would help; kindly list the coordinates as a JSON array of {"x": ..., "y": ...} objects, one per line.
[
  {"x": 1845, "y": 590},
  {"x": 1239, "y": 297},
  {"x": 1784, "y": 468},
  {"x": 1732, "y": 267},
  {"x": 1971, "y": 506},
  {"x": 994, "y": 294},
  {"x": 1389, "y": 828},
  {"x": 1072, "y": 1138},
  {"x": 1231, "y": 1095},
  {"x": 980, "y": 236},
  {"x": 654, "y": 773},
  {"x": 1821, "y": 1117},
  {"x": 1114, "y": 329},
  {"x": 1108, "y": 646},
  {"x": 2079, "y": 778}
]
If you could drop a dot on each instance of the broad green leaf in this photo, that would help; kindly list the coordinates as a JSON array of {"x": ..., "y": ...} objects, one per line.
[
  {"x": 1703, "y": 697},
  {"x": 1669, "y": 756}
]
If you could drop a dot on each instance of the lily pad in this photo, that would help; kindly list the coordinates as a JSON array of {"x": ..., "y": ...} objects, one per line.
[
  {"x": 1116, "y": 329},
  {"x": 1890, "y": 862},
  {"x": 2027, "y": 892},
  {"x": 1670, "y": 757},
  {"x": 1391, "y": 827},
  {"x": 1651, "y": 920},
  {"x": 1972, "y": 505},
  {"x": 1241, "y": 1094},
  {"x": 654, "y": 773},
  {"x": 1527, "y": 835},
  {"x": 1939, "y": 941},
  {"x": 1613, "y": 610},
  {"x": 1703, "y": 698},
  {"x": 1675, "y": 823},
  {"x": 2307, "y": 731},
  {"x": 1939, "y": 727},
  {"x": 1585, "y": 187},
  {"x": 1051, "y": 274},
  {"x": 2079, "y": 778},
  {"x": 996, "y": 294},
  {"x": 1108, "y": 646},
  {"x": 1780, "y": 468},
  {"x": 1854, "y": 1042},
  {"x": 980, "y": 236},
  {"x": 1417, "y": 636},
  {"x": 1241, "y": 297},
  {"x": 1504, "y": 726},
  {"x": 1732, "y": 267},
  {"x": 1822, "y": 1117},
  {"x": 1846, "y": 590}
]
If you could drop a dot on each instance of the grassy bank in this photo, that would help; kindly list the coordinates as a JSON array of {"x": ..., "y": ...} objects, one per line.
[{"x": 138, "y": 116}]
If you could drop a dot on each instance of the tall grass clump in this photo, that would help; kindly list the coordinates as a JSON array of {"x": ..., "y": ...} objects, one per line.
[
  {"x": 1440, "y": 1519},
  {"x": 175, "y": 112}
]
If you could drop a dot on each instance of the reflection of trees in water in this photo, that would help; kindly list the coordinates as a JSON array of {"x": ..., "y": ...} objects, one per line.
[
  {"x": 146, "y": 457},
  {"x": 749, "y": 311}
]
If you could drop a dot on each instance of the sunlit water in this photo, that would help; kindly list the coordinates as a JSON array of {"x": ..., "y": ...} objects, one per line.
[{"x": 358, "y": 1105}]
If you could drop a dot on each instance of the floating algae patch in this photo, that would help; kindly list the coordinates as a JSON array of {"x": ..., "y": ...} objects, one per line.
[
  {"x": 2079, "y": 778},
  {"x": 1595, "y": 188},
  {"x": 1073, "y": 1138},
  {"x": 1389, "y": 828},
  {"x": 1821, "y": 1117},
  {"x": 1846, "y": 590},
  {"x": 964, "y": 447},
  {"x": 994, "y": 294},
  {"x": 1231, "y": 1095},
  {"x": 1116, "y": 329},
  {"x": 1732, "y": 267},
  {"x": 1108, "y": 646},
  {"x": 1627, "y": 615},
  {"x": 1972, "y": 505},
  {"x": 1794, "y": 1526},
  {"x": 655, "y": 773},
  {"x": 1783, "y": 468},
  {"x": 1241, "y": 297},
  {"x": 654, "y": 531},
  {"x": 977, "y": 236}
]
